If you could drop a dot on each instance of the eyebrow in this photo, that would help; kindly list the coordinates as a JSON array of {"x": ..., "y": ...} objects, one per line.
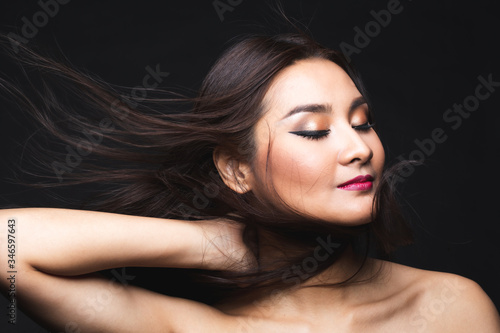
[{"x": 324, "y": 108}]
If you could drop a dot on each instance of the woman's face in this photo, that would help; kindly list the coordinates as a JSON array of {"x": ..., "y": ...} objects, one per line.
[{"x": 316, "y": 128}]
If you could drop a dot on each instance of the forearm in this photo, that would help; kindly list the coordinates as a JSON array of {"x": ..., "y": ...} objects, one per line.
[{"x": 74, "y": 242}]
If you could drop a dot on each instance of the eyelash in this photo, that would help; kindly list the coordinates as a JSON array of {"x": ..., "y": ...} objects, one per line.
[
  {"x": 364, "y": 127},
  {"x": 312, "y": 135},
  {"x": 316, "y": 135}
]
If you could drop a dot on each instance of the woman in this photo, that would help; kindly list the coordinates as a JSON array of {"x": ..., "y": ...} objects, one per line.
[{"x": 270, "y": 188}]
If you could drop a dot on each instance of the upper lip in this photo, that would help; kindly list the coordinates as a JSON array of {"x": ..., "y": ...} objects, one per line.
[{"x": 358, "y": 179}]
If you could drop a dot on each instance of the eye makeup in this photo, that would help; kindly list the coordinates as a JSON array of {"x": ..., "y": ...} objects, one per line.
[
  {"x": 312, "y": 135},
  {"x": 316, "y": 125}
]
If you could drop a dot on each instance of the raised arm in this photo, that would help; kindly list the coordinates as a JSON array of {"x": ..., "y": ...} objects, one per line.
[{"x": 57, "y": 250}]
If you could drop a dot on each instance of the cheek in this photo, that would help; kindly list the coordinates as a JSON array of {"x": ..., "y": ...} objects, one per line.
[
  {"x": 297, "y": 168},
  {"x": 378, "y": 155}
]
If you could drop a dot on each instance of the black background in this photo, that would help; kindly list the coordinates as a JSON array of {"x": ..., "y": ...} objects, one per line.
[{"x": 426, "y": 59}]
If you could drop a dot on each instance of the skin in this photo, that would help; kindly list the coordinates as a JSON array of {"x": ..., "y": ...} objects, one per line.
[
  {"x": 305, "y": 174},
  {"x": 305, "y": 171}
]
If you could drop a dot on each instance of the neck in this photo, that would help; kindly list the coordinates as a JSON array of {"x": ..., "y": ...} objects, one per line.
[
  {"x": 274, "y": 248},
  {"x": 308, "y": 288},
  {"x": 345, "y": 263}
]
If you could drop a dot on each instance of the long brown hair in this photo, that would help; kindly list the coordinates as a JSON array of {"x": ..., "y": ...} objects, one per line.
[{"x": 158, "y": 151}]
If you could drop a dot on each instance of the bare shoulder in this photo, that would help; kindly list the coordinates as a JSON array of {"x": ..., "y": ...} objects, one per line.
[
  {"x": 445, "y": 302},
  {"x": 459, "y": 304}
]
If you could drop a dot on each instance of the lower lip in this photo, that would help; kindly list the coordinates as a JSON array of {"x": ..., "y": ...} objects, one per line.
[{"x": 363, "y": 186}]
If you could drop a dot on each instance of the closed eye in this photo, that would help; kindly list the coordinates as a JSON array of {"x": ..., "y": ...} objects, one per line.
[
  {"x": 312, "y": 135},
  {"x": 364, "y": 127}
]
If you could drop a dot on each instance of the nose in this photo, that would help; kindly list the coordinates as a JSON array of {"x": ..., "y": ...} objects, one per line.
[{"x": 354, "y": 149}]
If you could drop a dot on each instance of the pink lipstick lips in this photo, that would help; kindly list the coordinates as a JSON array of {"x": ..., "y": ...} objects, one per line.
[{"x": 360, "y": 183}]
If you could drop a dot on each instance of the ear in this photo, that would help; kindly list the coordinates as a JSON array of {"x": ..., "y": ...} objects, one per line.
[{"x": 236, "y": 174}]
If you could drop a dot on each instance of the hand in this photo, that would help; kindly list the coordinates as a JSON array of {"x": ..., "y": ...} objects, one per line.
[{"x": 223, "y": 247}]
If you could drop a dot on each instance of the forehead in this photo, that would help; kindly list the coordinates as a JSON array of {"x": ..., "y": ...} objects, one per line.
[{"x": 309, "y": 81}]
